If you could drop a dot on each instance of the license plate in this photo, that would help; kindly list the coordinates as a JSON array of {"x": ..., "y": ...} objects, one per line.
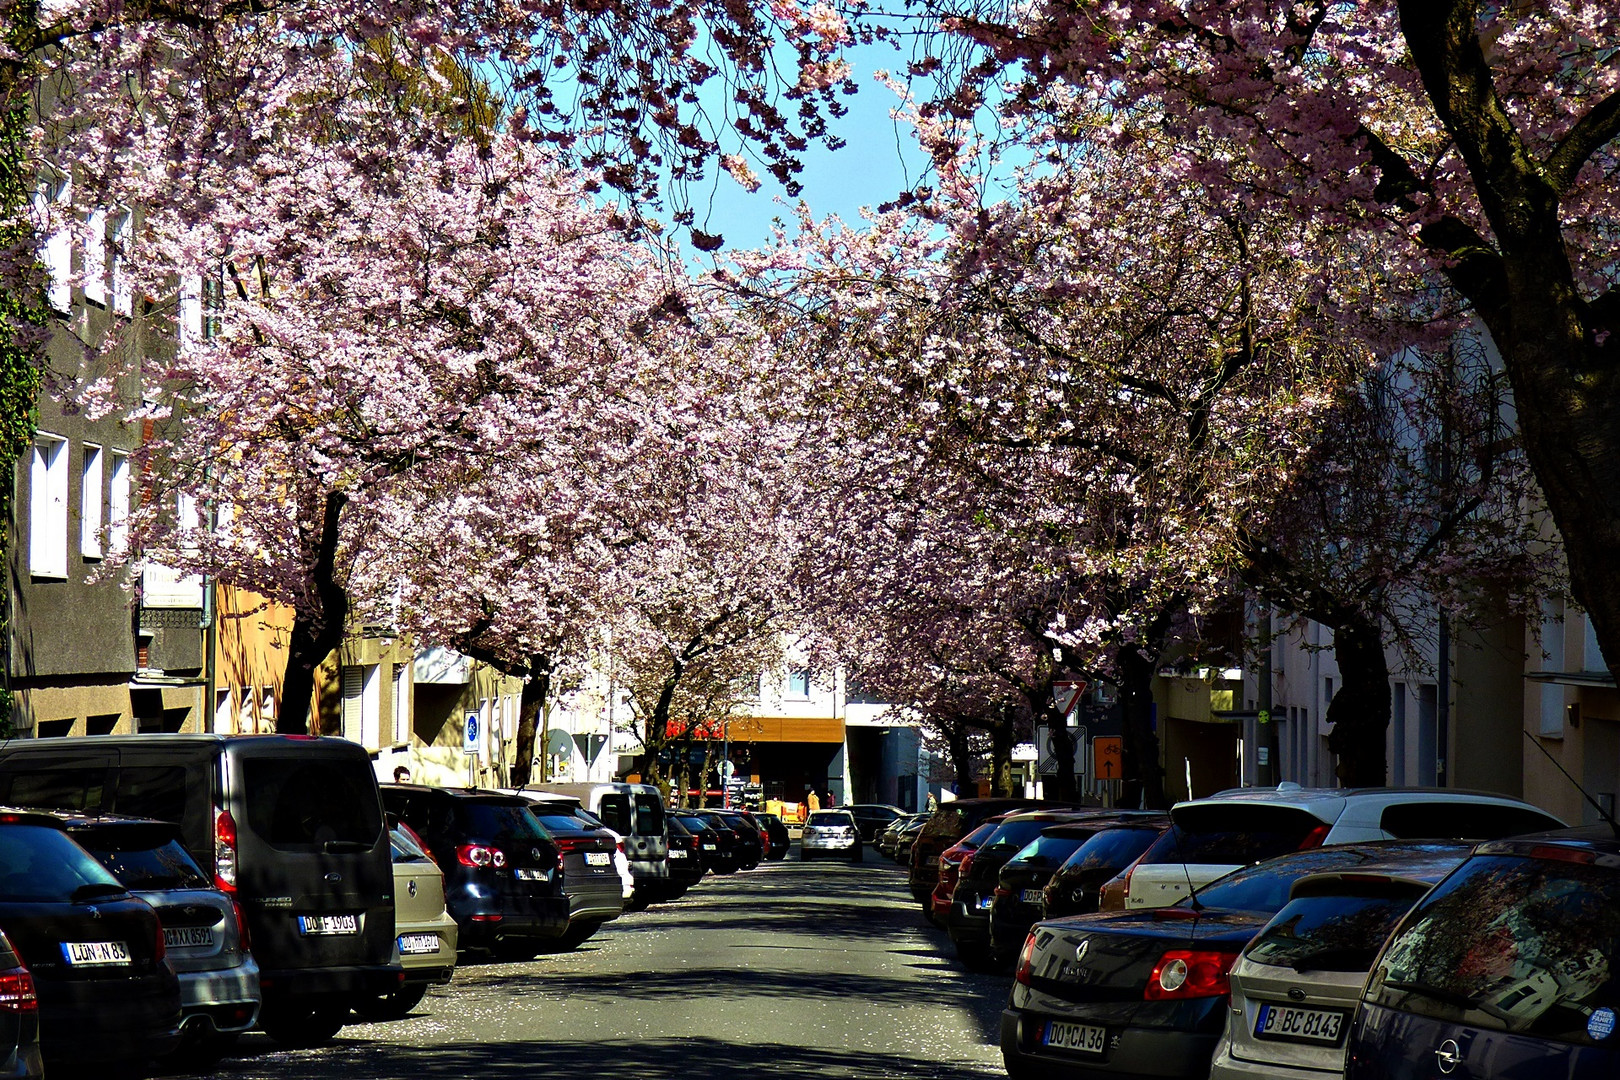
[
  {"x": 1083, "y": 1038},
  {"x": 525, "y": 873},
  {"x": 328, "y": 924},
  {"x": 708, "y": 847},
  {"x": 1303, "y": 1025},
  {"x": 1030, "y": 896},
  {"x": 596, "y": 858},
  {"x": 983, "y": 903},
  {"x": 95, "y": 953},
  {"x": 183, "y": 937},
  {"x": 676, "y": 853},
  {"x": 416, "y": 944}
]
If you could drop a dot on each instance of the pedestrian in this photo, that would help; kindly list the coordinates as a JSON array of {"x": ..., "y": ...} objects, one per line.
[
  {"x": 813, "y": 801},
  {"x": 933, "y": 803},
  {"x": 402, "y": 775}
]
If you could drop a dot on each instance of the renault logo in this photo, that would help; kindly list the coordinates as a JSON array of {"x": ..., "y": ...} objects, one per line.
[
  {"x": 1449, "y": 1056},
  {"x": 1081, "y": 950},
  {"x": 534, "y": 853}
]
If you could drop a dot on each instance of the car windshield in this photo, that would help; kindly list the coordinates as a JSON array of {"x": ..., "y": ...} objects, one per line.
[
  {"x": 491, "y": 818},
  {"x": 1233, "y": 835},
  {"x": 1330, "y": 933},
  {"x": 1514, "y": 944},
  {"x": 1111, "y": 849},
  {"x": 1046, "y": 851},
  {"x": 828, "y": 818},
  {"x": 39, "y": 864},
  {"x": 140, "y": 858},
  {"x": 649, "y": 815}
]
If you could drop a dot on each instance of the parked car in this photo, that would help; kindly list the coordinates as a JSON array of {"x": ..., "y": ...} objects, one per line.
[
  {"x": 202, "y": 927},
  {"x": 589, "y": 880},
  {"x": 872, "y": 818},
  {"x": 1297, "y": 984},
  {"x": 636, "y": 813},
  {"x": 1076, "y": 887},
  {"x": 502, "y": 879},
  {"x": 19, "y": 1018},
  {"x": 906, "y": 842},
  {"x": 830, "y": 832},
  {"x": 95, "y": 953},
  {"x": 716, "y": 839},
  {"x": 288, "y": 826},
  {"x": 1215, "y": 836},
  {"x": 1145, "y": 993},
  {"x": 750, "y": 840},
  {"x": 1506, "y": 969},
  {"x": 968, "y": 918},
  {"x": 685, "y": 855},
  {"x": 1018, "y": 899},
  {"x": 425, "y": 934},
  {"x": 781, "y": 841},
  {"x": 943, "y": 828},
  {"x": 890, "y": 834},
  {"x": 950, "y": 867}
]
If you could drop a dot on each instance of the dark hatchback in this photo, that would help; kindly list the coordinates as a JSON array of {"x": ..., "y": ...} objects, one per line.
[
  {"x": 1019, "y": 898},
  {"x": 872, "y": 818},
  {"x": 716, "y": 840},
  {"x": 778, "y": 833},
  {"x": 968, "y": 918},
  {"x": 947, "y": 825},
  {"x": 502, "y": 873},
  {"x": 685, "y": 854},
  {"x": 19, "y": 1018},
  {"x": 750, "y": 843},
  {"x": 1146, "y": 993},
  {"x": 1076, "y": 887},
  {"x": 1506, "y": 969},
  {"x": 590, "y": 880},
  {"x": 105, "y": 991}
]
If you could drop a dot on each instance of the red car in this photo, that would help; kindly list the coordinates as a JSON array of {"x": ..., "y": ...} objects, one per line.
[{"x": 951, "y": 861}]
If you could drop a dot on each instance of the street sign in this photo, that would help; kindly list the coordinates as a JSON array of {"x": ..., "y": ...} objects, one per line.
[
  {"x": 1046, "y": 744},
  {"x": 1066, "y": 694},
  {"x": 469, "y": 736},
  {"x": 1108, "y": 757}
]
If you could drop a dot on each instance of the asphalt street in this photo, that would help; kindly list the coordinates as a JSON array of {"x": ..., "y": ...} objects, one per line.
[{"x": 823, "y": 970}]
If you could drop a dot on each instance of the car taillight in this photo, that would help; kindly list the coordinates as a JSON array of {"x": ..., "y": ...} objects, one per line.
[
  {"x": 483, "y": 855},
  {"x": 1026, "y": 961},
  {"x": 225, "y": 852},
  {"x": 241, "y": 927},
  {"x": 1314, "y": 838},
  {"x": 1003, "y": 892},
  {"x": 17, "y": 991},
  {"x": 1115, "y": 893},
  {"x": 965, "y": 867},
  {"x": 161, "y": 948},
  {"x": 1183, "y": 973}
]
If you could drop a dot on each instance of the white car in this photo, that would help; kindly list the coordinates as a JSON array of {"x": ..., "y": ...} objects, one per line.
[
  {"x": 1211, "y": 837},
  {"x": 830, "y": 832}
]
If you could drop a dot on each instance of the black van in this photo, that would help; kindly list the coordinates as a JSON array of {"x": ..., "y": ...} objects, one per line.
[{"x": 290, "y": 826}]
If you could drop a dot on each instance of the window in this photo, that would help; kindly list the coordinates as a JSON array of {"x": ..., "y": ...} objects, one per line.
[
  {"x": 224, "y": 711},
  {"x": 1552, "y": 695},
  {"x": 48, "y": 496},
  {"x": 90, "y": 502},
  {"x": 58, "y": 253},
  {"x": 1397, "y": 735},
  {"x": 402, "y": 704},
  {"x": 123, "y": 294},
  {"x": 118, "y": 503},
  {"x": 187, "y": 516},
  {"x": 267, "y": 707},
  {"x": 360, "y": 705},
  {"x": 95, "y": 258},
  {"x": 1594, "y": 655},
  {"x": 798, "y": 683},
  {"x": 299, "y": 804},
  {"x": 1332, "y": 932},
  {"x": 213, "y": 302},
  {"x": 41, "y": 865}
]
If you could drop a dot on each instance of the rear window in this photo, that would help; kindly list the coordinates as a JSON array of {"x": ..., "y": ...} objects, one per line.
[
  {"x": 487, "y": 818},
  {"x": 1511, "y": 944},
  {"x": 405, "y": 849},
  {"x": 1047, "y": 851},
  {"x": 141, "y": 859},
  {"x": 614, "y": 810},
  {"x": 649, "y": 815},
  {"x": 1235, "y": 835},
  {"x": 306, "y": 804},
  {"x": 41, "y": 865},
  {"x": 1015, "y": 834},
  {"x": 152, "y": 791},
  {"x": 1462, "y": 821},
  {"x": 825, "y": 818},
  {"x": 72, "y": 788},
  {"x": 677, "y": 827},
  {"x": 558, "y": 822},
  {"x": 1330, "y": 933},
  {"x": 1112, "y": 849},
  {"x": 947, "y": 821},
  {"x": 1254, "y": 888}
]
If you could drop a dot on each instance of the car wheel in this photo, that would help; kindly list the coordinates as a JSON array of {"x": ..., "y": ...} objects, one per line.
[
  {"x": 301, "y": 1024},
  {"x": 394, "y": 1006}
]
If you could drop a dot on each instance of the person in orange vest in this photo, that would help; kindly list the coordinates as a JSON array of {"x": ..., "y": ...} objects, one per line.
[{"x": 813, "y": 801}]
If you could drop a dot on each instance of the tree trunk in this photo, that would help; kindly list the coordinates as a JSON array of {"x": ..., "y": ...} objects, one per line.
[
  {"x": 655, "y": 733},
  {"x": 1002, "y": 737},
  {"x": 961, "y": 754},
  {"x": 1143, "y": 783},
  {"x": 1065, "y": 787},
  {"x": 709, "y": 748},
  {"x": 1359, "y": 711},
  {"x": 531, "y": 706},
  {"x": 315, "y": 633}
]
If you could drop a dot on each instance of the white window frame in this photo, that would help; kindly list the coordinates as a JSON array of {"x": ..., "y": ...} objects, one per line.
[
  {"x": 48, "y": 507},
  {"x": 95, "y": 258},
  {"x": 225, "y": 711},
  {"x": 123, "y": 292},
  {"x": 91, "y": 464},
  {"x": 118, "y": 490},
  {"x": 58, "y": 247},
  {"x": 402, "y": 704},
  {"x": 1551, "y": 722}
]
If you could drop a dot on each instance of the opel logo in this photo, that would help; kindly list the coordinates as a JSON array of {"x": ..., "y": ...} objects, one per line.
[
  {"x": 1081, "y": 950},
  {"x": 1449, "y": 1056}
]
